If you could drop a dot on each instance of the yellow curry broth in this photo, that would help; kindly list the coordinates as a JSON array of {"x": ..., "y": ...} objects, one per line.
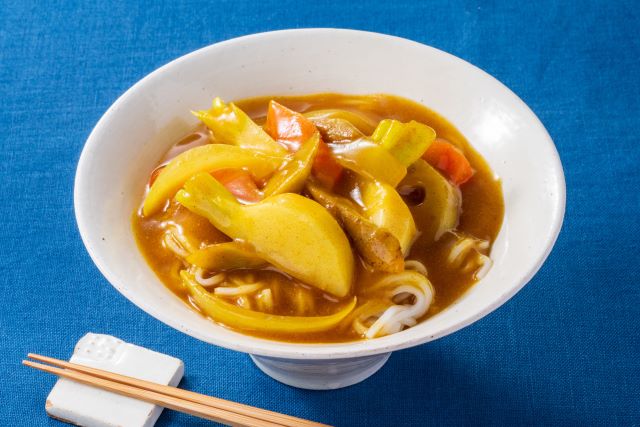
[{"x": 482, "y": 212}]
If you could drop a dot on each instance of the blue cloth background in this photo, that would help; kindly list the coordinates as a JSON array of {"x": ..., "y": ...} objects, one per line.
[{"x": 563, "y": 351}]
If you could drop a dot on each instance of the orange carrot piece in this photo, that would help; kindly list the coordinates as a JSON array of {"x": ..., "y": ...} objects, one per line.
[
  {"x": 292, "y": 129},
  {"x": 447, "y": 158},
  {"x": 287, "y": 127},
  {"x": 325, "y": 167},
  {"x": 239, "y": 183}
]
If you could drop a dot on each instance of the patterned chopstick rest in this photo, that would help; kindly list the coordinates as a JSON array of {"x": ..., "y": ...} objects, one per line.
[{"x": 87, "y": 406}]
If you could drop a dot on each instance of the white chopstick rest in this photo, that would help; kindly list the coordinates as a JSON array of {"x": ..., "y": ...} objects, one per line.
[{"x": 88, "y": 406}]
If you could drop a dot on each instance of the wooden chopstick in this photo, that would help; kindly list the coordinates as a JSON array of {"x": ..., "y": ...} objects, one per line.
[
  {"x": 274, "y": 417},
  {"x": 203, "y": 406},
  {"x": 192, "y": 408}
]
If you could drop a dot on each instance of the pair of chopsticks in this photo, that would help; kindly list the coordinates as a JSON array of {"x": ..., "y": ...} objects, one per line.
[{"x": 199, "y": 405}]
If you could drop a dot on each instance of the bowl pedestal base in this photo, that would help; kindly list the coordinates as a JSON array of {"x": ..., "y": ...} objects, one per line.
[{"x": 321, "y": 374}]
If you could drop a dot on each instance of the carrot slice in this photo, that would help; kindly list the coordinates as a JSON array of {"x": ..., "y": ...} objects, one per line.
[
  {"x": 448, "y": 159},
  {"x": 292, "y": 129},
  {"x": 239, "y": 183},
  {"x": 325, "y": 167},
  {"x": 287, "y": 127}
]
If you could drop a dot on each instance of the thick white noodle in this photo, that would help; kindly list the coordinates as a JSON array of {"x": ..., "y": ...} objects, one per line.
[
  {"x": 398, "y": 316},
  {"x": 384, "y": 324},
  {"x": 359, "y": 327},
  {"x": 264, "y": 299},
  {"x": 181, "y": 238},
  {"x": 237, "y": 290},
  {"x": 244, "y": 302},
  {"x": 486, "y": 264},
  {"x": 243, "y": 279},
  {"x": 462, "y": 251},
  {"x": 414, "y": 265},
  {"x": 209, "y": 281},
  {"x": 177, "y": 242},
  {"x": 171, "y": 244},
  {"x": 484, "y": 245}
]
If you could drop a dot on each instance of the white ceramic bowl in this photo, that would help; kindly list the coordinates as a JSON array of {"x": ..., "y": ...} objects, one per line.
[{"x": 139, "y": 127}]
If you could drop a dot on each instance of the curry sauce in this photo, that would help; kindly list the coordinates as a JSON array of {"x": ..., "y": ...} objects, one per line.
[{"x": 481, "y": 216}]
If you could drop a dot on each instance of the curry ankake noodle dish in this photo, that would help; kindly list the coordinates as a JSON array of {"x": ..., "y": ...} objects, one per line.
[{"x": 321, "y": 218}]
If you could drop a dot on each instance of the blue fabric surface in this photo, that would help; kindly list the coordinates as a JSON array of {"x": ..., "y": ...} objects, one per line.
[{"x": 563, "y": 351}]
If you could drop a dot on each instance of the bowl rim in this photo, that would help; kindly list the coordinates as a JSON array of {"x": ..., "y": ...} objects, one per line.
[{"x": 281, "y": 349}]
